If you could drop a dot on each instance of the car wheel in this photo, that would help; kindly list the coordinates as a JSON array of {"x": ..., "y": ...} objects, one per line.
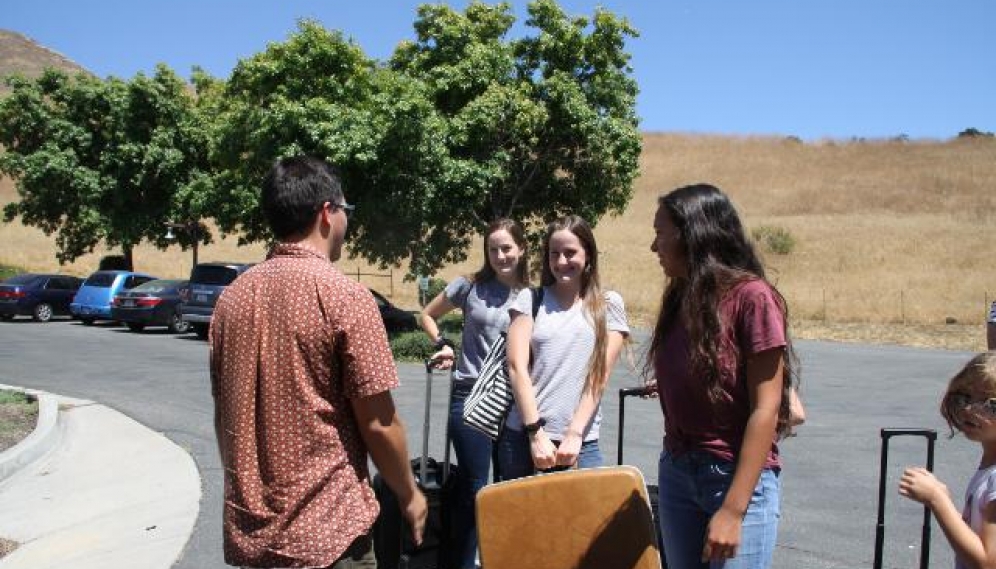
[
  {"x": 136, "y": 326},
  {"x": 42, "y": 312},
  {"x": 201, "y": 330},
  {"x": 87, "y": 321},
  {"x": 178, "y": 325}
]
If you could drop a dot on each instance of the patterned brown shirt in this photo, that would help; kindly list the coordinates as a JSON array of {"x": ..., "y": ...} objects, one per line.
[{"x": 292, "y": 341}]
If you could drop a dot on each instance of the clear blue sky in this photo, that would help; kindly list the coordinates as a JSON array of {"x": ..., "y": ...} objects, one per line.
[{"x": 810, "y": 68}]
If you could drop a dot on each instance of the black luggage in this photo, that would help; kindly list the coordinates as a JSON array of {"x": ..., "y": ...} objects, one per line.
[
  {"x": 651, "y": 488},
  {"x": 391, "y": 535},
  {"x": 931, "y": 436}
]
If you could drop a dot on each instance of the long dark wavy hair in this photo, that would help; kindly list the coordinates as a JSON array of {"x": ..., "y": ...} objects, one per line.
[
  {"x": 719, "y": 256},
  {"x": 487, "y": 272},
  {"x": 591, "y": 291}
]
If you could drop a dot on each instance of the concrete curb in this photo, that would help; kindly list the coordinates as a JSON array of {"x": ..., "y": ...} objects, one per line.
[
  {"x": 97, "y": 490},
  {"x": 45, "y": 436}
]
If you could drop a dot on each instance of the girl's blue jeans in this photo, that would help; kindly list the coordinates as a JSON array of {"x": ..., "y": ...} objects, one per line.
[
  {"x": 473, "y": 455},
  {"x": 692, "y": 488},
  {"x": 516, "y": 461}
]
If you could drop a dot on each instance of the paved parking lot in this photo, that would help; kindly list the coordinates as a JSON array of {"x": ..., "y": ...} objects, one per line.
[{"x": 831, "y": 468}]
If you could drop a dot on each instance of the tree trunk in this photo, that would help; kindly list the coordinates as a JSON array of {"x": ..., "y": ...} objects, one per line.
[{"x": 129, "y": 260}]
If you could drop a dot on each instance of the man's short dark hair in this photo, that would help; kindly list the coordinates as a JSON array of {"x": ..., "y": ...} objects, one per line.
[{"x": 295, "y": 190}]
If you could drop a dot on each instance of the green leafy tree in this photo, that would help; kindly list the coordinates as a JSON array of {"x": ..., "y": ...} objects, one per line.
[
  {"x": 101, "y": 160},
  {"x": 461, "y": 126},
  {"x": 535, "y": 127}
]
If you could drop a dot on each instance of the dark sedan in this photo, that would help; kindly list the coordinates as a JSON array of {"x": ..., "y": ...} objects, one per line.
[
  {"x": 38, "y": 296},
  {"x": 395, "y": 319},
  {"x": 155, "y": 303}
]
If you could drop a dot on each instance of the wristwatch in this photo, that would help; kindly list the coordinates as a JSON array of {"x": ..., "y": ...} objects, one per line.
[
  {"x": 443, "y": 341},
  {"x": 533, "y": 428}
]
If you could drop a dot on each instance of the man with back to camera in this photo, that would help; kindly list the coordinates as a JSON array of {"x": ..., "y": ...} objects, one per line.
[{"x": 301, "y": 374}]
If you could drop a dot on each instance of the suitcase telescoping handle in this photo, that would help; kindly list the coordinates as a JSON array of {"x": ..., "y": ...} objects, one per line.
[
  {"x": 623, "y": 394},
  {"x": 931, "y": 436},
  {"x": 423, "y": 460}
]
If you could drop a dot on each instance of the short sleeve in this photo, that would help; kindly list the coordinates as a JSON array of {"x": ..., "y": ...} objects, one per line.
[
  {"x": 523, "y": 303},
  {"x": 989, "y": 494},
  {"x": 456, "y": 292},
  {"x": 761, "y": 322},
  {"x": 615, "y": 313},
  {"x": 992, "y": 313},
  {"x": 368, "y": 367}
]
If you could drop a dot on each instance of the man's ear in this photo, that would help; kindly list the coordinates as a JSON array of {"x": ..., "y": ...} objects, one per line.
[{"x": 325, "y": 219}]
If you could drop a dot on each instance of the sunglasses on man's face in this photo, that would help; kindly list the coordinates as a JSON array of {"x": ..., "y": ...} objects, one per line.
[
  {"x": 345, "y": 207},
  {"x": 965, "y": 401}
]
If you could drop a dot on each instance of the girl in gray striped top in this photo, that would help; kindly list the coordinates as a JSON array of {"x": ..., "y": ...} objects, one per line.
[{"x": 572, "y": 344}]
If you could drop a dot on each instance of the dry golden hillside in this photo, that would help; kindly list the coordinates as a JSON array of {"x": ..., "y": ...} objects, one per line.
[
  {"x": 20, "y": 54},
  {"x": 896, "y": 236}
]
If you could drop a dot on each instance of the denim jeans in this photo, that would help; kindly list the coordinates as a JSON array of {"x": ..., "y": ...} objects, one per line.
[
  {"x": 473, "y": 455},
  {"x": 692, "y": 488},
  {"x": 515, "y": 459}
]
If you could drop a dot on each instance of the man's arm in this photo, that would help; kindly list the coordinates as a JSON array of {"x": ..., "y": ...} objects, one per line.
[{"x": 384, "y": 436}]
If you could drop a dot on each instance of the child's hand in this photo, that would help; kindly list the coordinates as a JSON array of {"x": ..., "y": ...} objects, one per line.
[{"x": 920, "y": 485}]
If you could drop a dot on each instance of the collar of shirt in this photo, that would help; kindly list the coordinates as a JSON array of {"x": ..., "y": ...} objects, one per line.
[{"x": 295, "y": 250}]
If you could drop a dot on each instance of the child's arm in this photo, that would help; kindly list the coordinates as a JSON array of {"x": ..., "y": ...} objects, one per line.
[{"x": 978, "y": 551}]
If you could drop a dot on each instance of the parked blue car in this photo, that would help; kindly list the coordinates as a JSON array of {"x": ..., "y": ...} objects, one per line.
[
  {"x": 38, "y": 296},
  {"x": 93, "y": 300}
]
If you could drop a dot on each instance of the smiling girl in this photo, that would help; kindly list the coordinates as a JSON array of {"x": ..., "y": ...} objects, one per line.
[
  {"x": 968, "y": 406},
  {"x": 484, "y": 299},
  {"x": 559, "y": 362}
]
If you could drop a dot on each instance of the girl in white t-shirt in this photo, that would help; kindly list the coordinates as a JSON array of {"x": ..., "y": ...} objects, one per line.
[
  {"x": 968, "y": 406},
  {"x": 558, "y": 364}
]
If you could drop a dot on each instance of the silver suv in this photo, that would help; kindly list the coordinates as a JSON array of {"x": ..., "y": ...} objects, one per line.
[{"x": 207, "y": 280}]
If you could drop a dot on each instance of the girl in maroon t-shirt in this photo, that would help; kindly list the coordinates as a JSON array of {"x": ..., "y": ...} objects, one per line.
[{"x": 722, "y": 360}]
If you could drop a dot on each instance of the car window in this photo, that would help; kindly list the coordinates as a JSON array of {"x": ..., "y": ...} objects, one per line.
[
  {"x": 213, "y": 275},
  {"x": 157, "y": 286},
  {"x": 56, "y": 283},
  {"x": 21, "y": 279},
  {"x": 135, "y": 280},
  {"x": 101, "y": 280}
]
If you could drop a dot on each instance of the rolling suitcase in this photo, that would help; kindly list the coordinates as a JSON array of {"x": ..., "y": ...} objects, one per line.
[
  {"x": 931, "y": 436},
  {"x": 392, "y": 538},
  {"x": 651, "y": 488}
]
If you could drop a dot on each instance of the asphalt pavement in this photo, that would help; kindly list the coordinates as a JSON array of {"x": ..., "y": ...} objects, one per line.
[{"x": 830, "y": 479}]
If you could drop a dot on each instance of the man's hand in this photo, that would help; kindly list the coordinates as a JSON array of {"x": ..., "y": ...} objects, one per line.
[{"x": 415, "y": 513}]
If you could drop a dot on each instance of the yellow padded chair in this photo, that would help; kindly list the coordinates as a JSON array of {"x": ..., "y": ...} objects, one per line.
[{"x": 596, "y": 518}]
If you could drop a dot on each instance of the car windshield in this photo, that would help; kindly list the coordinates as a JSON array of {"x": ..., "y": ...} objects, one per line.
[
  {"x": 102, "y": 280},
  {"x": 21, "y": 279},
  {"x": 157, "y": 286},
  {"x": 213, "y": 275}
]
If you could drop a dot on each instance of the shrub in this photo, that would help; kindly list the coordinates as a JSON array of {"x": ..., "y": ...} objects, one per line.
[
  {"x": 436, "y": 286},
  {"x": 774, "y": 238},
  {"x": 974, "y": 133},
  {"x": 9, "y": 271},
  {"x": 452, "y": 325},
  {"x": 415, "y": 346}
]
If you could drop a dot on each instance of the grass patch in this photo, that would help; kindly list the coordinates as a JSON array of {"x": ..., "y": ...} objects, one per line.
[
  {"x": 15, "y": 398},
  {"x": 7, "y": 271},
  {"x": 18, "y": 417}
]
